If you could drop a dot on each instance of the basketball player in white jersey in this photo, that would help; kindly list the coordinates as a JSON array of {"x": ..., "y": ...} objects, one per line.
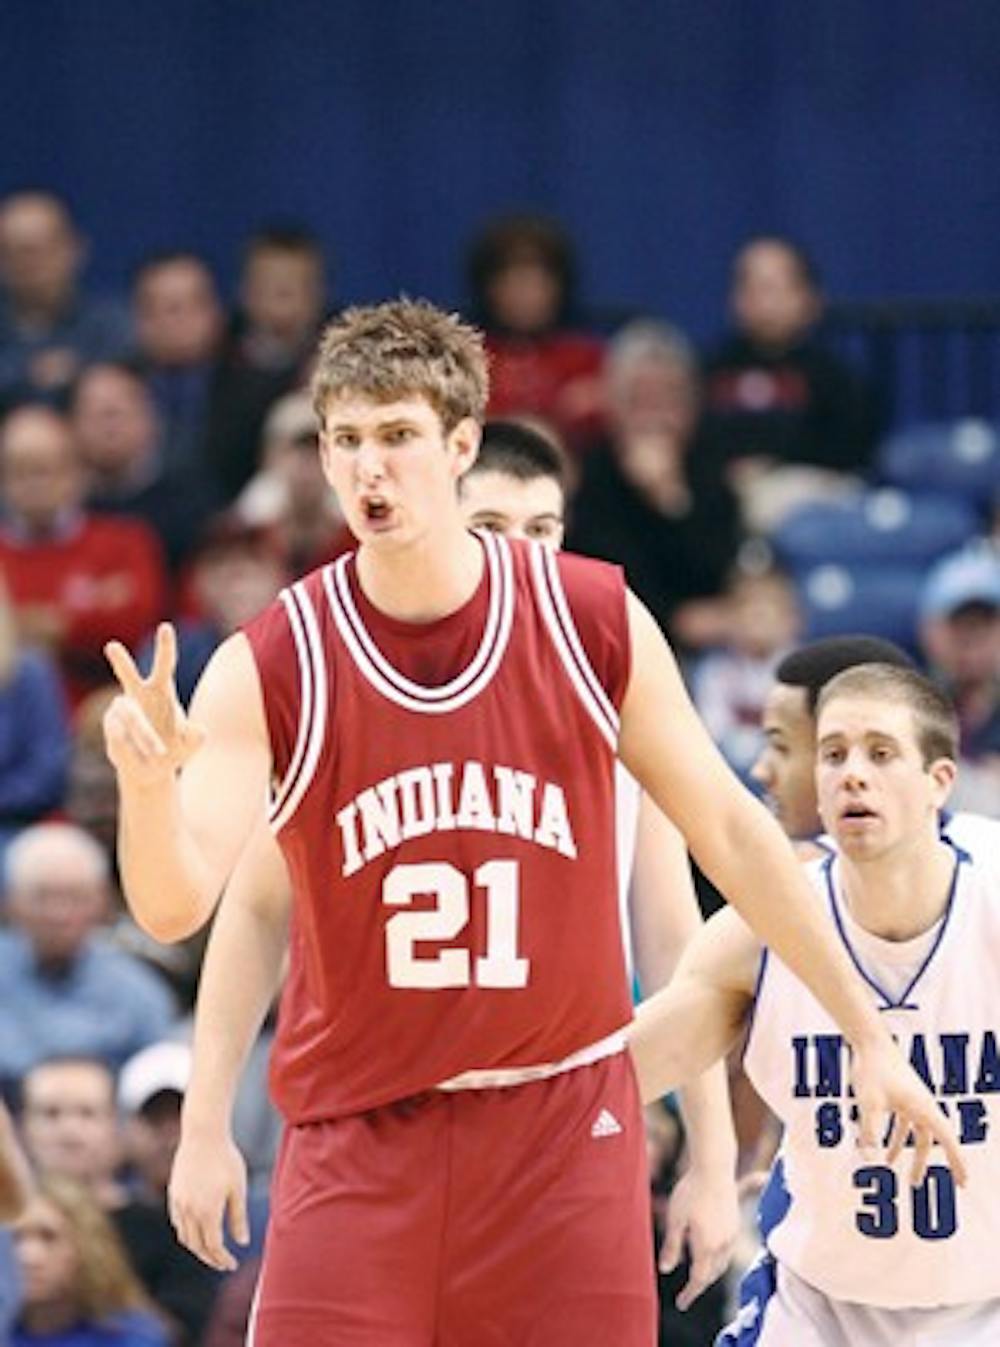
[
  {"x": 400, "y": 389},
  {"x": 785, "y": 766},
  {"x": 516, "y": 487},
  {"x": 857, "y": 1254}
]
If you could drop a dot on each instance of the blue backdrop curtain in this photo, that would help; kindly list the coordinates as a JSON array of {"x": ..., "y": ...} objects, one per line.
[{"x": 660, "y": 132}]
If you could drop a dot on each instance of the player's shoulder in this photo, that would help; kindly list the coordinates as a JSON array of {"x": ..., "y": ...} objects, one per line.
[
  {"x": 587, "y": 578},
  {"x": 976, "y": 834}
]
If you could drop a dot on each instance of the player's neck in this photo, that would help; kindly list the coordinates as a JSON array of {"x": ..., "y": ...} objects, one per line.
[
  {"x": 901, "y": 895},
  {"x": 428, "y": 580}
]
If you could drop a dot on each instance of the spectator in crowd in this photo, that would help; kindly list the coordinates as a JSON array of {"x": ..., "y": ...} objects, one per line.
[
  {"x": 34, "y": 735},
  {"x": 236, "y": 572},
  {"x": 119, "y": 437},
  {"x": 270, "y": 345},
  {"x": 179, "y": 324},
  {"x": 49, "y": 328},
  {"x": 69, "y": 1122},
  {"x": 522, "y": 276},
  {"x": 150, "y": 1092},
  {"x": 64, "y": 988},
  {"x": 730, "y": 684},
  {"x": 92, "y": 792},
  {"x": 290, "y": 495},
  {"x": 78, "y": 1287},
  {"x": 646, "y": 499},
  {"x": 75, "y": 578},
  {"x": 960, "y": 634},
  {"x": 775, "y": 398}
]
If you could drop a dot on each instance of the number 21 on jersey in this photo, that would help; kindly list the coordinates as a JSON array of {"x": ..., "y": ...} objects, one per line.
[{"x": 452, "y": 965}]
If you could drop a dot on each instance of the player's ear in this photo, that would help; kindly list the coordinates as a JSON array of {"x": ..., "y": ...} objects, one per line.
[
  {"x": 942, "y": 773},
  {"x": 465, "y": 440}
]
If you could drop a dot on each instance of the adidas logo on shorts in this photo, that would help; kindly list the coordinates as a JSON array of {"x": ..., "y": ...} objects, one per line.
[{"x": 605, "y": 1124}]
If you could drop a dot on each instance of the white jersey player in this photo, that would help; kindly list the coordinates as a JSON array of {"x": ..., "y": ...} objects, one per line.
[{"x": 857, "y": 1253}]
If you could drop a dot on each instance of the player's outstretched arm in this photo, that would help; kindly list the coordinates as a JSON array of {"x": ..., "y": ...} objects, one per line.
[
  {"x": 250, "y": 936},
  {"x": 703, "y": 1212},
  {"x": 696, "y": 1018},
  {"x": 190, "y": 789},
  {"x": 746, "y": 855}
]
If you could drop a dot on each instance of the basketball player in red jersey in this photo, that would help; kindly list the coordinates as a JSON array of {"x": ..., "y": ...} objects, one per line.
[{"x": 436, "y": 718}]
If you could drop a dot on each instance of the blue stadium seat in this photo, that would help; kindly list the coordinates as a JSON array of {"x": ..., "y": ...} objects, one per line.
[
  {"x": 960, "y": 458},
  {"x": 882, "y": 526},
  {"x": 876, "y": 600}
]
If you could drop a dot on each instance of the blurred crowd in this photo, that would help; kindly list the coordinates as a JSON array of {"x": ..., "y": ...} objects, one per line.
[{"x": 158, "y": 460}]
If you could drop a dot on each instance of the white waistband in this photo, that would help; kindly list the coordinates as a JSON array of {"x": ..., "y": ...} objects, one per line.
[{"x": 519, "y": 1075}]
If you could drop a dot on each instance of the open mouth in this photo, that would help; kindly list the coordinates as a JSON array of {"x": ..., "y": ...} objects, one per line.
[
  {"x": 376, "y": 509},
  {"x": 855, "y": 813}
]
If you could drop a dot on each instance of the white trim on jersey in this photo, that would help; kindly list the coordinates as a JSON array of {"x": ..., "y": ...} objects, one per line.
[
  {"x": 555, "y": 612},
  {"x": 504, "y": 1077},
  {"x": 305, "y": 701},
  {"x": 312, "y": 707},
  {"x": 251, "y": 1334},
  {"x": 393, "y": 685}
]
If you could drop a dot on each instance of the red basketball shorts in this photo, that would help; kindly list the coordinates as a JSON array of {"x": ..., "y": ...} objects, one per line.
[{"x": 514, "y": 1217}]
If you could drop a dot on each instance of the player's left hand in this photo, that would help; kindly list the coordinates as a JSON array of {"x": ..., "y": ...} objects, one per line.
[
  {"x": 886, "y": 1085},
  {"x": 702, "y": 1213}
]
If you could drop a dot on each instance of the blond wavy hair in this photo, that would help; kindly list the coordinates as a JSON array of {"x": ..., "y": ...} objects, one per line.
[
  {"x": 403, "y": 348},
  {"x": 106, "y": 1284}
]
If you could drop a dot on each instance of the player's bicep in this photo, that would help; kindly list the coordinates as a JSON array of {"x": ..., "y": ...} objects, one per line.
[
  {"x": 694, "y": 1021},
  {"x": 665, "y": 745},
  {"x": 224, "y": 786},
  {"x": 714, "y": 982},
  {"x": 663, "y": 908}
]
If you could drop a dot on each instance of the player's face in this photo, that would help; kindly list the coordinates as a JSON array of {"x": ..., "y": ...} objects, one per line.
[
  {"x": 394, "y": 469},
  {"x": 785, "y": 767},
  {"x": 875, "y": 792},
  {"x": 514, "y": 507}
]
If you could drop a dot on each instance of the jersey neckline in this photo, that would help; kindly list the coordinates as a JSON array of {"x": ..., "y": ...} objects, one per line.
[{"x": 379, "y": 670}]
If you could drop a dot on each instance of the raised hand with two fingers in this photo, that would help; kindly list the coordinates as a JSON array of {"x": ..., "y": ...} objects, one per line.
[{"x": 147, "y": 733}]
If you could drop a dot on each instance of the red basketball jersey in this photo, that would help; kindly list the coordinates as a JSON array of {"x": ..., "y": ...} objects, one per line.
[{"x": 444, "y": 797}]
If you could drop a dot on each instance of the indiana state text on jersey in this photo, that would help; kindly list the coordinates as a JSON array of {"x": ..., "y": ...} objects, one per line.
[{"x": 953, "y": 1066}]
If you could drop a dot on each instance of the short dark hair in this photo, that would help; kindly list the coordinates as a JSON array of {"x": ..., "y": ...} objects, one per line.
[
  {"x": 812, "y": 666},
  {"x": 934, "y": 716},
  {"x": 520, "y": 451},
  {"x": 512, "y": 238},
  {"x": 127, "y": 366},
  {"x": 286, "y": 236},
  {"x": 167, "y": 257}
]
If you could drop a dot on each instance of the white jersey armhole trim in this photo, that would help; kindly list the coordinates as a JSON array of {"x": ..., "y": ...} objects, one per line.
[
  {"x": 564, "y": 636},
  {"x": 313, "y": 708}
]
